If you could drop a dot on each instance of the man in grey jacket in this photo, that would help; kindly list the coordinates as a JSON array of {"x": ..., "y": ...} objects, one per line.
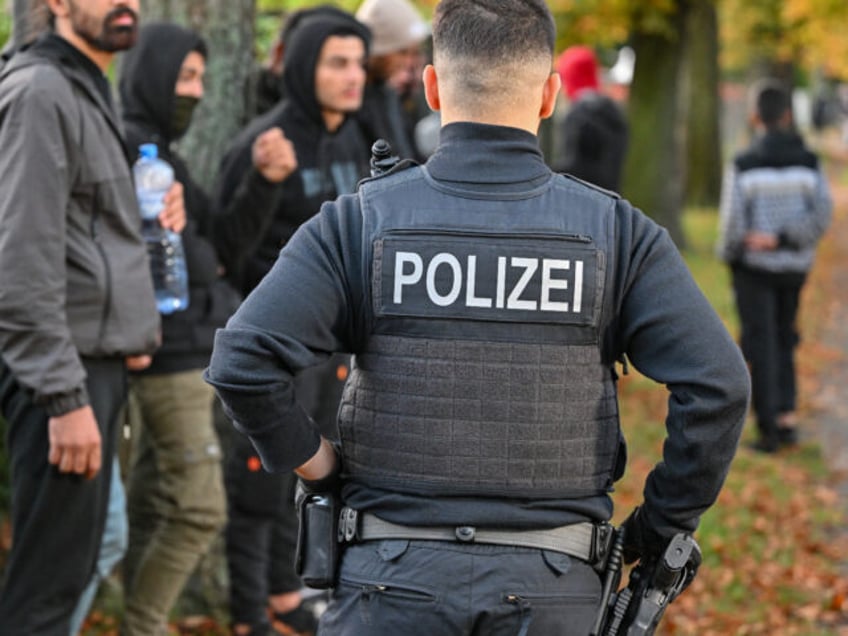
[{"x": 76, "y": 303}]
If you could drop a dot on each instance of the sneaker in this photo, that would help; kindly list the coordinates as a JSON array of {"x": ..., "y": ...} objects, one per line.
[
  {"x": 787, "y": 435},
  {"x": 765, "y": 445}
]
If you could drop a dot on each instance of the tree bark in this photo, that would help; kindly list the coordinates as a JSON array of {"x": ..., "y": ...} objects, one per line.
[
  {"x": 228, "y": 28},
  {"x": 703, "y": 130},
  {"x": 653, "y": 175},
  {"x": 29, "y": 18}
]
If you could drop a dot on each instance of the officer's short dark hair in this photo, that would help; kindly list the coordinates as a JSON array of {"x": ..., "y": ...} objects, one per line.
[
  {"x": 489, "y": 51},
  {"x": 773, "y": 101},
  {"x": 494, "y": 30}
]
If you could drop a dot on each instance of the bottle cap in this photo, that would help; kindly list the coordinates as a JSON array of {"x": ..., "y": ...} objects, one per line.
[{"x": 148, "y": 151}]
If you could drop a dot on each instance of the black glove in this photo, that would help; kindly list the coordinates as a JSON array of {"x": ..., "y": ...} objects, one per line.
[{"x": 641, "y": 541}]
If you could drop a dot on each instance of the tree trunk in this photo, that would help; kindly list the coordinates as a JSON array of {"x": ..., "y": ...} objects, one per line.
[
  {"x": 29, "y": 19},
  {"x": 703, "y": 134},
  {"x": 653, "y": 176},
  {"x": 228, "y": 28}
]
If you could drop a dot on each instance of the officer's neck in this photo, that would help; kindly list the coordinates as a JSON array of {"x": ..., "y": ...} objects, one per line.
[{"x": 512, "y": 120}]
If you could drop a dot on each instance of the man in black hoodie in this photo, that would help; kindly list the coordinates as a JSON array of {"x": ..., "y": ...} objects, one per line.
[
  {"x": 324, "y": 81},
  {"x": 176, "y": 500}
]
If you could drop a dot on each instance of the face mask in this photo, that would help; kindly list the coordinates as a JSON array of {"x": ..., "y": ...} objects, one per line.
[{"x": 184, "y": 106}]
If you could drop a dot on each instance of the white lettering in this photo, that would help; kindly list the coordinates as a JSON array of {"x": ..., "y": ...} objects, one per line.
[
  {"x": 501, "y": 291},
  {"x": 402, "y": 279},
  {"x": 471, "y": 300},
  {"x": 548, "y": 283},
  {"x": 530, "y": 266},
  {"x": 444, "y": 259},
  {"x": 577, "y": 301},
  {"x": 554, "y": 283}
]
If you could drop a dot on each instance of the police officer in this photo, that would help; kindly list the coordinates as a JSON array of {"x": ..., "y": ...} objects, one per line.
[{"x": 486, "y": 300}]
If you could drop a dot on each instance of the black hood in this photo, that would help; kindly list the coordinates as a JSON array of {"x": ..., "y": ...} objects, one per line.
[
  {"x": 777, "y": 149},
  {"x": 301, "y": 56},
  {"x": 149, "y": 74}
]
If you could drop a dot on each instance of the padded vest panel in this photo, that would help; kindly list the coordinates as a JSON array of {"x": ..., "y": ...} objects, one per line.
[{"x": 470, "y": 417}]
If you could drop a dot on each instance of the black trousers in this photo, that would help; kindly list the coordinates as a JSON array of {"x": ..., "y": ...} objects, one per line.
[
  {"x": 57, "y": 519},
  {"x": 262, "y": 525},
  {"x": 768, "y": 307},
  {"x": 261, "y": 533}
]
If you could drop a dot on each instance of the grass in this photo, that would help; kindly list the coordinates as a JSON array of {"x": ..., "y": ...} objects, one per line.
[{"x": 771, "y": 564}]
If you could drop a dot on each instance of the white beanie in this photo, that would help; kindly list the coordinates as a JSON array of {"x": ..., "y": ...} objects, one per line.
[{"x": 394, "y": 24}]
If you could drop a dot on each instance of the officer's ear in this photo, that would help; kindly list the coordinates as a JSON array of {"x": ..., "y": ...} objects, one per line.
[
  {"x": 550, "y": 90},
  {"x": 431, "y": 88}
]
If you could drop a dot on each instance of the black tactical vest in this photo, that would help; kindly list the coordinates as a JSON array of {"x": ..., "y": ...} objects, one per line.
[{"x": 482, "y": 374}]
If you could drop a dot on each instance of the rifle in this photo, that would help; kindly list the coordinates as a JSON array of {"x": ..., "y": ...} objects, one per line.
[{"x": 636, "y": 610}]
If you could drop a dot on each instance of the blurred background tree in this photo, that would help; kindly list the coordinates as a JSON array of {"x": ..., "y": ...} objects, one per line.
[{"x": 228, "y": 26}]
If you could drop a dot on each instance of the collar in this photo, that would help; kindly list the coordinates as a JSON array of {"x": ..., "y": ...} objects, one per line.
[
  {"x": 483, "y": 153},
  {"x": 61, "y": 49}
]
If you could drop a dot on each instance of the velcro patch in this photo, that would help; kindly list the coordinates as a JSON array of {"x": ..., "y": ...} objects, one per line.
[{"x": 542, "y": 279}]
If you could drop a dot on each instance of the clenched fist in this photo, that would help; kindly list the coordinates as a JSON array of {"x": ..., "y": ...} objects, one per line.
[{"x": 274, "y": 156}]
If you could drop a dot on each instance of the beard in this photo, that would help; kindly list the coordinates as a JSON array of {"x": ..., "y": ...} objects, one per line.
[{"x": 105, "y": 36}]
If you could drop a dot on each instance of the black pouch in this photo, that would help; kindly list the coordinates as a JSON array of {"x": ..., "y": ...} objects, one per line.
[{"x": 318, "y": 547}]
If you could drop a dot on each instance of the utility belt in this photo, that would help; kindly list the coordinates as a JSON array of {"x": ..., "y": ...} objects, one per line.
[{"x": 324, "y": 533}]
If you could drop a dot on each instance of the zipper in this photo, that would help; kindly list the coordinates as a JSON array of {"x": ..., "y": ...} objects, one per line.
[
  {"x": 524, "y": 611},
  {"x": 464, "y": 232},
  {"x": 107, "y": 271}
]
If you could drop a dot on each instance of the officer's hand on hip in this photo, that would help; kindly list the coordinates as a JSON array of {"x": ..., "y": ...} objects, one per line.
[
  {"x": 75, "y": 442},
  {"x": 274, "y": 155},
  {"x": 641, "y": 541},
  {"x": 322, "y": 465}
]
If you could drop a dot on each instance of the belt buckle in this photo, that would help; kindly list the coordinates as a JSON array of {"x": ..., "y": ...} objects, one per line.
[{"x": 348, "y": 525}]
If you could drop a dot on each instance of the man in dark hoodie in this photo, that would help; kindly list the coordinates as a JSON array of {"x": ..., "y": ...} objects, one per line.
[
  {"x": 323, "y": 80},
  {"x": 592, "y": 138},
  {"x": 775, "y": 207},
  {"x": 176, "y": 500}
]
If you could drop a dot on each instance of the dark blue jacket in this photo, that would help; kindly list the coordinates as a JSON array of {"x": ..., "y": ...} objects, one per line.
[{"x": 319, "y": 298}]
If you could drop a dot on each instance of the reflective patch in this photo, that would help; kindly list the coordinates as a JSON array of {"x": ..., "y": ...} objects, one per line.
[{"x": 487, "y": 277}]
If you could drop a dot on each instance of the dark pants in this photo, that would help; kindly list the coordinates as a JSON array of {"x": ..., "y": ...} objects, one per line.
[
  {"x": 261, "y": 532},
  {"x": 57, "y": 519},
  {"x": 437, "y": 587},
  {"x": 768, "y": 306}
]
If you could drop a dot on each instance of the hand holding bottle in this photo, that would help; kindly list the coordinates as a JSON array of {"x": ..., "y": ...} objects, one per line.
[{"x": 173, "y": 215}]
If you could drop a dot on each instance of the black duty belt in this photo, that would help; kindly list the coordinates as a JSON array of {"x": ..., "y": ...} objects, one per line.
[{"x": 587, "y": 541}]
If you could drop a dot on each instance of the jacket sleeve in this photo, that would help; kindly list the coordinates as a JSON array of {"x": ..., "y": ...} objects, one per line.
[
  {"x": 808, "y": 228},
  {"x": 672, "y": 335},
  {"x": 37, "y": 163},
  {"x": 244, "y": 207},
  {"x": 294, "y": 319},
  {"x": 732, "y": 222}
]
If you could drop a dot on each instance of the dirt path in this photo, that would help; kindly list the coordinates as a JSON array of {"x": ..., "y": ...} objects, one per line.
[{"x": 824, "y": 350}]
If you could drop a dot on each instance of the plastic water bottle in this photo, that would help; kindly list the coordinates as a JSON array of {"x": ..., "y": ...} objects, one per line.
[{"x": 153, "y": 179}]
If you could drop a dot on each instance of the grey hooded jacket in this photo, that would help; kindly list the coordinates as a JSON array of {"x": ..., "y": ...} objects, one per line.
[{"x": 75, "y": 275}]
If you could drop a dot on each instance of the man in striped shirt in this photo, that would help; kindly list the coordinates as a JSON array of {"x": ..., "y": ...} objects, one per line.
[{"x": 775, "y": 207}]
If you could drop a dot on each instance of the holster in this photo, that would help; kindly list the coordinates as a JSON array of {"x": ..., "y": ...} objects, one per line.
[{"x": 318, "y": 548}]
